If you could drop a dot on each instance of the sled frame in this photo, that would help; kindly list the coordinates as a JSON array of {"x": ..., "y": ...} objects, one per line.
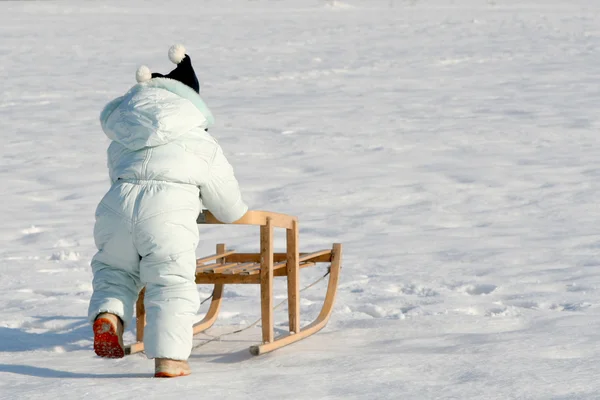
[{"x": 228, "y": 267}]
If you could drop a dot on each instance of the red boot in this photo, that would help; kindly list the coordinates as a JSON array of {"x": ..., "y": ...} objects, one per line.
[{"x": 108, "y": 336}]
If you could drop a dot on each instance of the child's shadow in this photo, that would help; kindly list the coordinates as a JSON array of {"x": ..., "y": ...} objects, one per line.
[
  {"x": 67, "y": 338},
  {"x": 53, "y": 373},
  {"x": 74, "y": 335},
  {"x": 19, "y": 339}
]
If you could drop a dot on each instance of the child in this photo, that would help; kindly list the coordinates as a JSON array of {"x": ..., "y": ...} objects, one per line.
[{"x": 163, "y": 166}]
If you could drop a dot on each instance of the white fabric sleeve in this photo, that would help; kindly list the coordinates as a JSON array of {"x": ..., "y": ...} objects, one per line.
[
  {"x": 110, "y": 167},
  {"x": 221, "y": 194}
]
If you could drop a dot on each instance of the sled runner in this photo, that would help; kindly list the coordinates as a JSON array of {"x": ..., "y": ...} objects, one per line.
[{"x": 229, "y": 267}]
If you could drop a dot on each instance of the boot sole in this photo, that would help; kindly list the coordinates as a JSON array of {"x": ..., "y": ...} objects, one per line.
[
  {"x": 106, "y": 339},
  {"x": 165, "y": 374}
]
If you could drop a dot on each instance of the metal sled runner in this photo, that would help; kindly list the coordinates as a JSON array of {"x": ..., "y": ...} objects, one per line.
[{"x": 229, "y": 267}]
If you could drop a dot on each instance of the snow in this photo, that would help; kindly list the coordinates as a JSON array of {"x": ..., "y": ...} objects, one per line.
[{"x": 451, "y": 146}]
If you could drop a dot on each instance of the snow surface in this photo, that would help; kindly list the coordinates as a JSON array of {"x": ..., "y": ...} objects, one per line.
[{"x": 451, "y": 146}]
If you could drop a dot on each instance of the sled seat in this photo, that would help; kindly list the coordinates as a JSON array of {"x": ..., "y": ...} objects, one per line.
[
  {"x": 224, "y": 270},
  {"x": 229, "y": 267}
]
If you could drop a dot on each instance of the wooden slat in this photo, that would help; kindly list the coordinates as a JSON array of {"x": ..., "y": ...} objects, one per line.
[
  {"x": 266, "y": 281},
  {"x": 222, "y": 269},
  {"x": 324, "y": 257},
  {"x": 255, "y": 269},
  {"x": 222, "y": 279},
  {"x": 205, "y": 267},
  {"x": 293, "y": 278},
  {"x": 279, "y": 268},
  {"x": 225, "y": 278},
  {"x": 134, "y": 348},
  {"x": 140, "y": 313},
  {"x": 244, "y": 269},
  {"x": 239, "y": 268},
  {"x": 213, "y": 268},
  {"x": 283, "y": 271},
  {"x": 303, "y": 258},
  {"x": 253, "y": 217},
  {"x": 221, "y": 251},
  {"x": 204, "y": 260},
  {"x": 310, "y": 256}
]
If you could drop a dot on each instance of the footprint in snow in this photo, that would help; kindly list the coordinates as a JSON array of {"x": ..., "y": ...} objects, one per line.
[
  {"x": 531, "y": 305},
  {"x": 31, "y": 234},
  {"x": 417, "y": 290},
  {"x": 376, "y": 311},
  {"x": 479, "y": 289},
  {"x": 570, "y": 306},
  {"x": 65, "y": 255}
]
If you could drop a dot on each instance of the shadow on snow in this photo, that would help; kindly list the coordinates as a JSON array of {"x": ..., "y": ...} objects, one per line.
[
  {"x": 53, "y": 373},
  {"x": 23, "y": 339}
]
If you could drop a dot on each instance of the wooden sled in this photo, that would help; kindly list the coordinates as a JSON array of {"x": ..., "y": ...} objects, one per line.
[{"x": 229, "y": 267}]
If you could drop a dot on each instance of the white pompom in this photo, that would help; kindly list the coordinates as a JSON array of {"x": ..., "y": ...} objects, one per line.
[
  {"x": 176, "y": 53},
  {"x": 143, "y": 74}
]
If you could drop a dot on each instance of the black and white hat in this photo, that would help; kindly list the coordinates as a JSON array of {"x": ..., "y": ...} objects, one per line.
[{"x": 184, "y": 72}]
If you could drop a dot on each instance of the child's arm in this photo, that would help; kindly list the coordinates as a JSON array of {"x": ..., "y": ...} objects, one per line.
[
  {"x": 221, "y": 194},
  {"x": 109, "y": 164}
]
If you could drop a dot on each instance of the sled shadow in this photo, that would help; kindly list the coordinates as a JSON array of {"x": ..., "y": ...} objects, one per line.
[
  {"x": 228, "y": 358},
  {"x": 39, "y": 372}
]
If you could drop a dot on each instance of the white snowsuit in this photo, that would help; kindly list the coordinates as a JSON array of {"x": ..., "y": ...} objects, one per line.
[{"x": 164, "y": 168}]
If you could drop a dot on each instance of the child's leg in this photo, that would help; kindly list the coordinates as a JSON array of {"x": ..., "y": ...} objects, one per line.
[
  {"x": 168, "y": 269},
  {"x": 115, "y": 292},
  {"x": 116, "y": 271},
  {"x": 171, "y": 303}
]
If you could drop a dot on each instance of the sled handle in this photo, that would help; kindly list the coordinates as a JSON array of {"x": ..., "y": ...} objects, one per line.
[{"x": 253, "y": 217}]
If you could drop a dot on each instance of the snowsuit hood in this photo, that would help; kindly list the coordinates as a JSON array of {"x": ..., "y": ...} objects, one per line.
[{"x": 154, "y": 113}]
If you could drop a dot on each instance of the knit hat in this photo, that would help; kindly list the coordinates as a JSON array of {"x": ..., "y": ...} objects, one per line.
[{"x": 184, "y": 72}]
